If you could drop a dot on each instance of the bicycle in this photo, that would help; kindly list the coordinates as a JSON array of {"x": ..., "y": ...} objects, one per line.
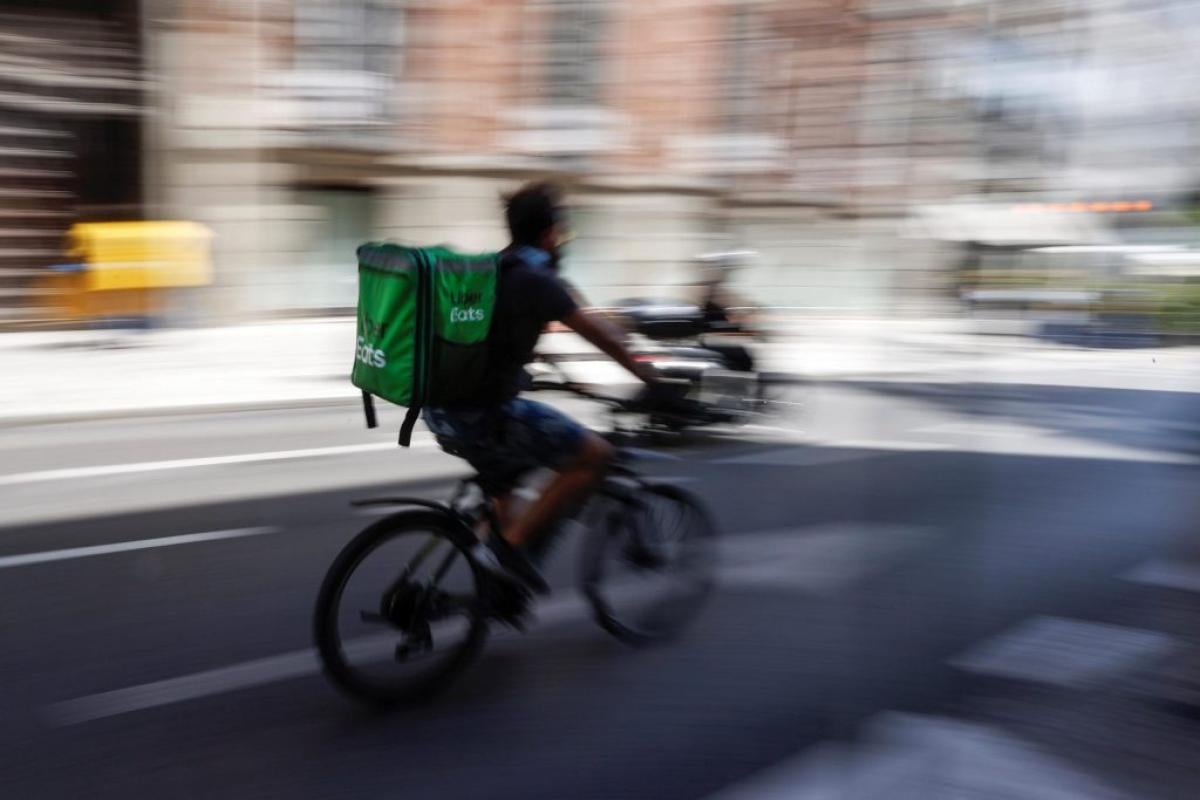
[{"x": 434, "y": 612}]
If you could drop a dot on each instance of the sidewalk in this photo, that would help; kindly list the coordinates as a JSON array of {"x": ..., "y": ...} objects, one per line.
[
  {"x": 79, "y": 374},
  {"x": 83, "y": 373}
]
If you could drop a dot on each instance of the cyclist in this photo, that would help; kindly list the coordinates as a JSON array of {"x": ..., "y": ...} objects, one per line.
[{"x": 501, "y": 427}]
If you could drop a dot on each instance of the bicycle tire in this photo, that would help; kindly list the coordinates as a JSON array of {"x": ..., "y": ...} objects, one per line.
[
  {"x": 337, "y": 667},
  {"x": 701, "y": 536}
]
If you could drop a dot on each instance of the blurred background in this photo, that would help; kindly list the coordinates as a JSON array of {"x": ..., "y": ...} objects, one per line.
[
  {"x": 963, "y": 544},
  {"x": 880, "y": 155}
]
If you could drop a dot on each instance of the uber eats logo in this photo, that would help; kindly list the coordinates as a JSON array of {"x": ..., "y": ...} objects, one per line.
[
  {"x": 369, "y": 354},
  {"x": 461, "y": 310},
  {"x": 366, "y": 351}
]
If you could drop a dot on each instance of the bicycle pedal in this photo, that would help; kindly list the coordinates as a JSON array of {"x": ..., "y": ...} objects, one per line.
[
  {"x": 510, "y": 605},
  {"x": 643, "y": 557},
  {"x": 406, "y": 650},
  {"x": 518, "y": 622},
  {"x": 419, "y": 641}
]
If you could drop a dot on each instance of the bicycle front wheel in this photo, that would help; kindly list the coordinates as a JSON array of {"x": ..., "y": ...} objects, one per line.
[
  {"x": 400, "y": 612},
  {"x": 648, "y": 566}
]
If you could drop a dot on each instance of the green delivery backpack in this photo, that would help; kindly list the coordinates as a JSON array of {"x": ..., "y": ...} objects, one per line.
[{"x": 424, "y": 314}]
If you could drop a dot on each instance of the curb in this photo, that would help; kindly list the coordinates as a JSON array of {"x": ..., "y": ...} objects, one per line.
[{"x": 22, "y": 420}]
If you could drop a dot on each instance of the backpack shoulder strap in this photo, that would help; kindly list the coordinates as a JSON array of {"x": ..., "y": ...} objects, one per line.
[
  {"x": 369, "y": 409},
  {"x": 410, "y": 422}
]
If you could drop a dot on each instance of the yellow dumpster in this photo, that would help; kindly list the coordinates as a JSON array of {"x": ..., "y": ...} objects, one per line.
[{"x": 121, "y": 269}]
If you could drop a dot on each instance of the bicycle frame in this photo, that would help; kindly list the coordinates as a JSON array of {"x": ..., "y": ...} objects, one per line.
[
  {"x": 401, "y": 501},
  {"x": 622, "y": 485},
  {"x": 431, "y": 544}
]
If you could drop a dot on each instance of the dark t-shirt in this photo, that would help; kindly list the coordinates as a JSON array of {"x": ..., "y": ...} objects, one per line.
[{"x": 528, "y": 297}]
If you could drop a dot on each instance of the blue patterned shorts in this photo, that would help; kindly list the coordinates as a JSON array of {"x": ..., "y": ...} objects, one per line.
[{"x": 520, "y": 434}]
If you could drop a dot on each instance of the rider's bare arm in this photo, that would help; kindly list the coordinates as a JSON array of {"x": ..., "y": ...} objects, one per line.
[
  {"x": 602, "y": 335},
  {"x": 602, "y": 318}
]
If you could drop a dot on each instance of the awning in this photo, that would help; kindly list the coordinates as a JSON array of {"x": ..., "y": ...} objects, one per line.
[{"x": 1002, "y": 225}]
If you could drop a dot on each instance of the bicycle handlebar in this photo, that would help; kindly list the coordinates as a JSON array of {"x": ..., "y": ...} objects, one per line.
[
  {"x": 579, "y": 390},
  {"x": 668, "y": 406},
  {"x": 671, "y": 406}
]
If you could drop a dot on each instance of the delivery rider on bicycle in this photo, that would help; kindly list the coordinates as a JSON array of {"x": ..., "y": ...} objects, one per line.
[{"x": 499, "y": 425}]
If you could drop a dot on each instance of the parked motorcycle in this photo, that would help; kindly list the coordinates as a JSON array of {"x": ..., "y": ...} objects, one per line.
[
  {"x": 713, "y": 360},
  {"x": 706, "y": 364}
]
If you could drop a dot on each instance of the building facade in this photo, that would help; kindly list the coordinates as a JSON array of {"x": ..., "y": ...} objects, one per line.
[
  {"x": 805, "y": 130},
  {"x": 71, "y": 108}
]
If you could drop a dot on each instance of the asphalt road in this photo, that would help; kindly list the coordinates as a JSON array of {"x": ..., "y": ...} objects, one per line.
[{"x": 872, "y": 533}]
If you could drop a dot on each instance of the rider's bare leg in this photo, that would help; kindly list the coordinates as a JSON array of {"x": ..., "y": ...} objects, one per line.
[
  {"x": 502, "y": 510},
  {"x": 502, "y": 507},
  {"x": 570, "y": 486}
]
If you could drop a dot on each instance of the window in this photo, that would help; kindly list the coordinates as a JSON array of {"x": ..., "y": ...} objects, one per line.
[
  {"x": 344, "y": 61},
  {"x": 574, "y": 55},
  {"x": 345, "y": 35},
  {"x": 740, "y": 88}
]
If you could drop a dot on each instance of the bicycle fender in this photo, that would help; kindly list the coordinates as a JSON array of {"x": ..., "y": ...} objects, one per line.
[
  {"x": 401, "y": 501},
  {"x": 642, "y": 454},
  {"x": 425, "y": 509}
]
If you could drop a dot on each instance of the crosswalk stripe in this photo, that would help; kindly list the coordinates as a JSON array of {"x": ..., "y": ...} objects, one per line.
[
  {"x": 1064, "y": 652},
  {"x": 909, "y": 755},
  {"x": 1180, "y": 575}
]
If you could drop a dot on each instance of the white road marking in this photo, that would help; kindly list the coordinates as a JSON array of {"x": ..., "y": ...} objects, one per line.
[
  {"x": 263, "y": 671},
  {"x": 1181, "y": 575},
  {"x": 104, "y": 470},
  {"x": 912, "y": 756},
  {"x": 1060, "y": 448},
  {"x": 25, "y": 559},
  {"x": 1065, "y": 652},
  {"x": 800, "y": 560},
  {"x": 795, "y": 456}
]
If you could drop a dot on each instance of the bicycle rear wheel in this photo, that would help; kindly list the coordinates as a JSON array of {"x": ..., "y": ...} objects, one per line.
[
  {"x": 648, "y": 566},
  {"x": 401, "y": 610}
]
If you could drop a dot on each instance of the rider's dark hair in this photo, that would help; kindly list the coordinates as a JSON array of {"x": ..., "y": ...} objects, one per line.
[{"x": 532, "y": 210}]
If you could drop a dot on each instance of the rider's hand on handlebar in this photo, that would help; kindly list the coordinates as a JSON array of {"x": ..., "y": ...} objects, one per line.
[
  {"x": 647, "y": 374},
  {"x": 666, "y": 396}
]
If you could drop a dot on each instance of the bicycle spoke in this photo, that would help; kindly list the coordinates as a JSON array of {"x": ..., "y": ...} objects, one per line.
[
  {"x": 648, "y": 570},
  {"x": 400, "y": 612},
  {"x": 444, "y": 567}
]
